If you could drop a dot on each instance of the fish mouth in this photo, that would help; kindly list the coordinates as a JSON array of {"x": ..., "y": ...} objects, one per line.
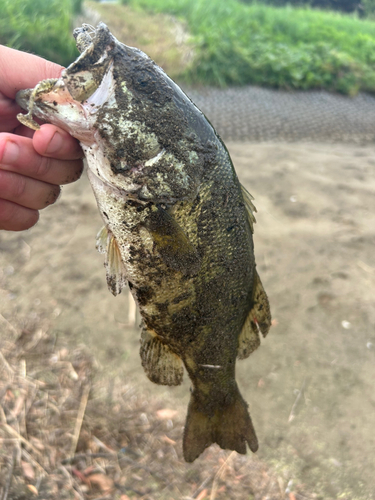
[
  {"x": 55, "y": 106},
  {"x": 74, "y": 102},
  {"x": 70, "y": 101}
]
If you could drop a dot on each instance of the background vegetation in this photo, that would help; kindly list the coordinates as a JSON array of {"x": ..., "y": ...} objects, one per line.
[
  {"x": 285, "y": 47},
  {"x": 235, "y": 42},
  {"x": 43, "y": 27},
  {"x": 343, "y": 5}
]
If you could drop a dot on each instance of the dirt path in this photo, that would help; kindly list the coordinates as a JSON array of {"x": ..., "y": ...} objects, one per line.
[{"x": 310, "y": 385}]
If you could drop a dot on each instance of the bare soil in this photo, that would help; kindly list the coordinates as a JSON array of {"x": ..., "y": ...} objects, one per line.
[{"x": 310, "y": 385}]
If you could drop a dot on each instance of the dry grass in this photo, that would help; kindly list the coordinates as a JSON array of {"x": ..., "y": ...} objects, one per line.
[
  {"x": 162, "y": 37},
  {"x": 64, "y": 436}
]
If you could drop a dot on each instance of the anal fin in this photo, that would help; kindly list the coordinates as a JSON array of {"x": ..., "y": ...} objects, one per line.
[
  {"x": 258, "y": 320},
  {"x": 115, "y": 270},
  {"x": 249, "y": 338},
  {"x": 162, "y": 366}
]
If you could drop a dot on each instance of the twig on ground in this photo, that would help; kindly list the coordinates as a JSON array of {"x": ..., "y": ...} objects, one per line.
[
  {"x": 10, "y": 474},
  {"x": 4, "y": 365},
  {"x": 202, "y": 486},
  {"x": 83, "y": 456},
  {"x": 9, "y": 325},
  {"x": 101, "y": 444},
  {"x": 79, "y": 420},
  {"x": 3, "y": 418},
  {"x": 218, "y": 475},
  {"x": 18, "y": 436},
  {"x": 366, "y": 267},
  {"x": 27, "y": 455},
  {"x": 297, "y": 400},
  {"x": 74, "y": 485}
]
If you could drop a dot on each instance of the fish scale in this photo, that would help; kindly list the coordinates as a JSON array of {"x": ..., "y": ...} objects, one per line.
[{"x": 177, "y": 226}]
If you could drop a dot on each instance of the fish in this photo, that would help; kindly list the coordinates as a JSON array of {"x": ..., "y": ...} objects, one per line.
[{"x": 178, "y": 226}]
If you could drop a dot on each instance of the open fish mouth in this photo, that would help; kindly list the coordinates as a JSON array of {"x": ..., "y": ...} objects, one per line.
[
  {"x": 84, "y": 102},
  {"x": 83, "y": 87},
  {"x": 53, "y": 104}
]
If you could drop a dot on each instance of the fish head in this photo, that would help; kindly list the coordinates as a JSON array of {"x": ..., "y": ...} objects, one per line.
[
  {"x": 96, "y": 102},
  {"x": 140, "y": 133},
  {"x": 65, "y": 101}
]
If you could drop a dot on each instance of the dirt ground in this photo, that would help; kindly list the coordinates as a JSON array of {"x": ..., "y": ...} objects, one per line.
[{"x": 310, "y": 385}]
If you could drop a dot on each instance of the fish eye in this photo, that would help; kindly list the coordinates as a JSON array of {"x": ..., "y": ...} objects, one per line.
[{"x": 80, "y": 85}]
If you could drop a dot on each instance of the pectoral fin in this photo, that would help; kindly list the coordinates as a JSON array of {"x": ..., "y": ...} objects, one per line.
[
  {"x": 101, "y": 240},
  {"x": 258, "y": 319},
  {"x": 162, "y": 366},
  {"x": 115, "y": 270},
  {"x": 171, "y": 242},
  {"x": 250, "y": 207}
]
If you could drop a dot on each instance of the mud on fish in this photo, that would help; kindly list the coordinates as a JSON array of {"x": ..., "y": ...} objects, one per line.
[{"x": 177, "y": 226}]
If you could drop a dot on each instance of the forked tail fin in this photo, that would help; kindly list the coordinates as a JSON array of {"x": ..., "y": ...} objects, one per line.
[{"x": 229, "y": 426}]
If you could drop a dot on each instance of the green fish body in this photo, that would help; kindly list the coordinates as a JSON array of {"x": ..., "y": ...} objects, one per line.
[{"x": 177, "y": 226}]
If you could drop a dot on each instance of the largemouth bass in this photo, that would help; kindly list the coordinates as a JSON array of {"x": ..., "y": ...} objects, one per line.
[{"x": 177, "y": 226}]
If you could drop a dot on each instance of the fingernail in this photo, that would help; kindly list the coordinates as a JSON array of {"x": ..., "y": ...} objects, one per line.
[
  {"x": 11, "y": 153},
  {"x": 55, "y": 144},
  {"x": 53, "y": 195}
]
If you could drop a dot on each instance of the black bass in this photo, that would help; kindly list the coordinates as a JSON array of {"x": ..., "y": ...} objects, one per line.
[{"x": 177, "y": 226}]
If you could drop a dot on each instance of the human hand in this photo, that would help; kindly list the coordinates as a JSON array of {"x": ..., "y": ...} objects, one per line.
[{"x": 33, "y": 165}]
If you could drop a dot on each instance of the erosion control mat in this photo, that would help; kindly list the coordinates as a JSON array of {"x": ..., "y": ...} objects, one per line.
[
  {"x": 64, "y": 436},
  {"x": 258, "y": 114}
]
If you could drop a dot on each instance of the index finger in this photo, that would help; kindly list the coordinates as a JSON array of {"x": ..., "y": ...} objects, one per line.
[
  {"x": 56, "y": 143},
  {"x": 19, "y": 70}
]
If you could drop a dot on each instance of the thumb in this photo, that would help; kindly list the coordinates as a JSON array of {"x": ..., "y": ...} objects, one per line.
[{"x": 19, "y": 70}]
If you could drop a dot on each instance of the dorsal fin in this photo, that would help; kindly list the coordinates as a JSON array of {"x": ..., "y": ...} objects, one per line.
[
  {"x": 250, "y": 207},
  {"x": 258, "y": 320},
  {"x": 115, "y": 270}
]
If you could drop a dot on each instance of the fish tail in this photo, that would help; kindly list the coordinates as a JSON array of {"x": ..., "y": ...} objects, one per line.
[{"x": 229, "y": 425}]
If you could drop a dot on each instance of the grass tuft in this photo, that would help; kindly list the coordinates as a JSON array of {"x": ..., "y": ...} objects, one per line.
[
  {"x": 41, "y": 27},
  {"x": 288, "y": 47}
]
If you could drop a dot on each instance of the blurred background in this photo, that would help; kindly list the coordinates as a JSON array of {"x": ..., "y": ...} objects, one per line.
[{"x": 290, "y": 88}]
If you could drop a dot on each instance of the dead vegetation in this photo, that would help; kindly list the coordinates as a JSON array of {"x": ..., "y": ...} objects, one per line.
[
  {"x": 163, "y": 37},
  {"x": 65, "y": 436}
]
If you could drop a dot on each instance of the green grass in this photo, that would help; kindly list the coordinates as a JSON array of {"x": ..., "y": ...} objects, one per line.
[
  {"x": 284, "y": 47},
  {"x": 42, "y": 27},
  {"x": 234, "y": 43}
]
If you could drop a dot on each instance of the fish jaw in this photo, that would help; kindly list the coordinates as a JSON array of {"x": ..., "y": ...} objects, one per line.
[
  {"x": 59, "y": 108},
  {"x": 65, "y": 102}
]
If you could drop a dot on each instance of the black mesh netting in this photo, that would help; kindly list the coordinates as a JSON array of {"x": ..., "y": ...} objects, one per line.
[{"x": 259, "y": 114}]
